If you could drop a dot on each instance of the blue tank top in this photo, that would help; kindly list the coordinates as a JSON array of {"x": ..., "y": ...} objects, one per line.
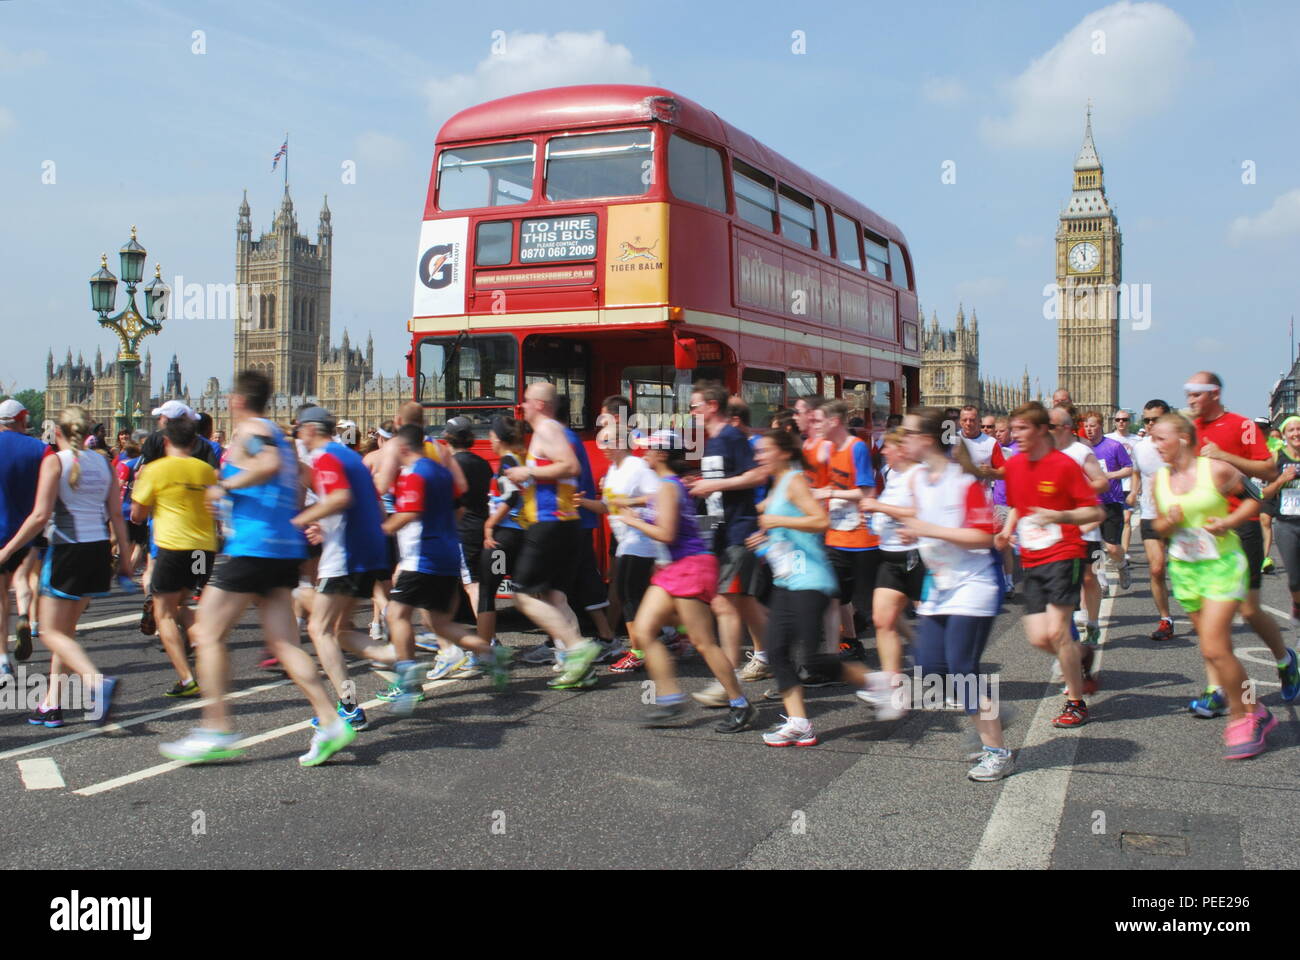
[
  {"x": 20, "y": 466},
  {"x": 259, "y": 516},
  {"x": 687, "y": 542},
  {"x": 797, "y": 557}
]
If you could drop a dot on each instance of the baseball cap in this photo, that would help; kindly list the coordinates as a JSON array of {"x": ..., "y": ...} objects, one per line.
[
  {"x": 316, "y": 415},
  {"x": 174, "y": 410},
  {"x": 458, "y": 427},
  {"x": 663, "y": 440},
  {"x": 11, "y": 409}
]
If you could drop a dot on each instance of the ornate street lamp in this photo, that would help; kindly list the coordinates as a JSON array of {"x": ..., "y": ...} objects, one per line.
[{"x": 129, "y": 325}]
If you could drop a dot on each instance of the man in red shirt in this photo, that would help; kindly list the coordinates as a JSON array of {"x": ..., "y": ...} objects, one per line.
[
  {"x": 1049, "y": 498},
  {"x": 1241, "y": 443}
]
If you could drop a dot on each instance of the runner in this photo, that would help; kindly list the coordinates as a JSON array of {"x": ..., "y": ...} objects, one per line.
[
  {"x": 728, "y": 480},
  {"x": 502, "y": 534},
  {"x": 1147, "y": 460},
  {"x": 899, "y": 577},
  {"x": 1116, "y": 466},
  {"x": 20, "y": 468},
  {"x": 680, "y": 592},
  {"x": 1123, "y": 421},
  {"x": 955, "y": 526},
  {"x": 632, "y": 485},
  {"x": 426, "y": 527},
  {"x": 984, "y": 449},
  {"x": 77, "y": 496},
  {"x": 851, "y": 546},
  {"x": 473, "y": 503},
  {"x": 1068, "y": 442},
  {"x": 1010, "y": 561},
  {"x": 547, "y": 566},
  {"x": 346, "y": 520},
  {"x": 373, "y": 458},
  {"x": 1284, "y": 493},
  {"x": 1268, "y": 508},
  {"x": 1238, "y": 442},
  {"x": 1207, "y": 568},
  {"x": 791, "y": 526},
  {"x": 172, "y": 491},
  {"x": 1049, "y": 497},
  {"x": 128, "y": 464},
  {"x": 260, "y": 558}
]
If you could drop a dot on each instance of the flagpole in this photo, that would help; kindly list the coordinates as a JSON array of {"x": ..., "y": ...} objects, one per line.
[{"x": 286, "y": 161}]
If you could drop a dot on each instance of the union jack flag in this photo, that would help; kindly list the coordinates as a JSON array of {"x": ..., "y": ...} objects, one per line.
[{"x": 282, "y": 152}]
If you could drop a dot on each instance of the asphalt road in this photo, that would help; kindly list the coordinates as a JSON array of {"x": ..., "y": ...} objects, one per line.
[{"x": 536, "y": 778}]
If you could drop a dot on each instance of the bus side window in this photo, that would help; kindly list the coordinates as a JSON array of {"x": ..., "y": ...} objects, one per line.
[{"x": 762, "y": 390}]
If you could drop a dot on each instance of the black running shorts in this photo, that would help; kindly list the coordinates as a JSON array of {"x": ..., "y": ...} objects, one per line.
[
  {"x": 73, "y": 571},
  {"x": 855, "y": 572},
  {"x": 428, "y": 591},
  {"x": 1112, "y": 525},
  {"x": 359, "y": 585},
  {"x": 1149, "y": 531},
  {"x": 1252, "y": 544},
  {"x": 178, "y": 570},
  {"x": 901, "y": 570},
  {"x": 1056, "y": 583},
  {"x": 14, "y": 562},
  {"x": 548, "y": 559},
  {"x": 741, "y": 572},
  {"x": 257, "y": 575}
]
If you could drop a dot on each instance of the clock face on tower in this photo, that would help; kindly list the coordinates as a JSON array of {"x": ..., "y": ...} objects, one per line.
[{"x": 1084, "y": 257}]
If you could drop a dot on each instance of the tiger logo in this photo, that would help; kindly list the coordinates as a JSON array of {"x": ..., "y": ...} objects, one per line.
[{"x": 632, "y": 251}]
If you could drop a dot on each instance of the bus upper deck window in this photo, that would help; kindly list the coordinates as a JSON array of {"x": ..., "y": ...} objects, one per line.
[
  {"x": 590, "y": 165},
  {"x": 493, "y": 175},
  {"x": 695, "y": 173},
  {"x": 494, "y": 243}
]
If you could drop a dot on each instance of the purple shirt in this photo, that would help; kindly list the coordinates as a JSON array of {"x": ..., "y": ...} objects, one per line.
[
  {"x": 687, "y": 542},
  {"x": 1000, "y": 484},
  {"x": 1113, "y": 456}
]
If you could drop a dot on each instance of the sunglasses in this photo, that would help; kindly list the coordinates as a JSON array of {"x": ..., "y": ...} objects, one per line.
[
  {"x": 1146, "y": 420},
  {"x": 1121, "y": 419}
]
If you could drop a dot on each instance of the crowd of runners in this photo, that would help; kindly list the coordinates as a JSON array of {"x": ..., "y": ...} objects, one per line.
[{"x": 796, "y": 537}]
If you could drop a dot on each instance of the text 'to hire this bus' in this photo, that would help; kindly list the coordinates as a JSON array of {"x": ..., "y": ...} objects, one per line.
[{"x": 624, "y": 239}]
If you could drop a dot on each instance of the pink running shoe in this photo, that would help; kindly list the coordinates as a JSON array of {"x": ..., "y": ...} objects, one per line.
[{"x": 1245, "y": 737}]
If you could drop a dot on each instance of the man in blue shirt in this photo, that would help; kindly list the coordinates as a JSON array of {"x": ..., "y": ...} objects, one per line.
[{"x": 20, "y": 465}]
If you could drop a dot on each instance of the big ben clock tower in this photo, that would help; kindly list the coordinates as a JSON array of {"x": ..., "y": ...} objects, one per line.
[{"x": 1087, "y": 280}]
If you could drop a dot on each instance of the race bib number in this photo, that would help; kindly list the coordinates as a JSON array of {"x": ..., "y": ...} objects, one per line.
[
  {"x": 711, "y": 468},
  {"x": 882, "y": 525},
  {"x": 1290, "y": 504},
  {"x": 1192, "y": 544},
  {"x": 1037, "y": 536},
  {"x": 941, "y": 562},
  {"x": 844, "y": 514},
  {"x": 781, "y": 558}
]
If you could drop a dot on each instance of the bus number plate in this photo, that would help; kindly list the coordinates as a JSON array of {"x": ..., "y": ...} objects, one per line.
[{"x": 561, "y": 238}]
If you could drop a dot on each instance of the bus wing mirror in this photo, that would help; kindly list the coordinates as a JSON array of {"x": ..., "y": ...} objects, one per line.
[
  {"x": 410, "y": 364},
  {"x": 685, "y": 355}
]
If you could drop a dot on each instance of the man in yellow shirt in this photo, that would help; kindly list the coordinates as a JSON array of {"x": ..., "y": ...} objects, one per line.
[{"x": 173, "y": 489}]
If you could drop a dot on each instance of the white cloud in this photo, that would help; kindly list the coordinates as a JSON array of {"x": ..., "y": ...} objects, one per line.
[
  {"x": 1143, "y": 50},
  {"x": 376, "y": 149},
  {"x": 534, "y": 61},
  {"x": 1280, "y": 220},
  {"x": 943, "y": 90}
]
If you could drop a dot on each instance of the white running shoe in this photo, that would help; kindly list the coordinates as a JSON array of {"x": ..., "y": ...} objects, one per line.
[
  {"x": 754, "y": 669},
  {"x": 447, "y": 662},
  {"x": 714, "y": 695},
  {"x": 992, "y": 766},
  {"x": 376, "y": 630},
  {"x": 791, "y": 734}
]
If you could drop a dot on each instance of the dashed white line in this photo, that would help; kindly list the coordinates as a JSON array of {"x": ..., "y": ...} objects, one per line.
[{"x": 40, "y": 773}]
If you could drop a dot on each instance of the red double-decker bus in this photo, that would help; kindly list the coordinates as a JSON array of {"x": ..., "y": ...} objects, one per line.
[{"x": 624, "y": 239}]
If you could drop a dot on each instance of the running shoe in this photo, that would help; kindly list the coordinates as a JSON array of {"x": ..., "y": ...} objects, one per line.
[
  {"x": 1245, "y": 737},
  {"x": 1212, "y": 704},
  {"x": 148, "y": 625},
  {"x": 446, "y": 662},
  {"x": 1075, "y": 714},
  {"x": 585, "y": 682},
  {"x": 1125, "y": 575},
  {"x": 852, "y": 650},
  {"x": 771, "y": 693},
  {"x": 992, "y": 766},
  {"x": 578, "y": 663},
  {"x": 1165, "y": 631},
  {"x": 190, "y": 689},
  {"x": 1267, "y": 566},
  {"x": 268, "y": 662},
  {"x": 609, "y": 650},
  {"x": 201, "y": 745},
  {"x": 467, "y": 670},
  {"x": 663, "y": 714},
  {"x": 326, "y": 742},
  {"x": 1290, "y": 677},
  {"x": 51, "y": 717},
  {"x": 713, "y": 696},
  {"x": 628, "y": 664},
  {"x": 755, "y": 669},
  {"x": 887, "y": 703},
  {"x": 737, "y": 719},
  {"x": 406, "y": 690},
  {"x": 428, "y": 642},
  {"x": 23, "y": 632},
  {"x": 103, "y": 705},
  {"x": 502, "y": 656},
  {"x": 376, "y": 630},
  {"x": 356, "y": 717},
  {"x": 1092, "y": 635},
  {"x": 789, "y": 735},
  {"x": 541, "y": 654}
]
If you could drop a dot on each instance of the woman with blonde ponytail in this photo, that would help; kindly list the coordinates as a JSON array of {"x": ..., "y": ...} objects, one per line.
[{"x": 77, "y": 496}]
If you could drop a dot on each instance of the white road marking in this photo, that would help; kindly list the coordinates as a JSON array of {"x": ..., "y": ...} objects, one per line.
[
  {"x": 1286, "y": 617},
  {"x": 110, "y": 622},
  {"x": 170, "y": 765},
  {"x": 1021, "y": 831},
  {"x": 41, "y": 773}
]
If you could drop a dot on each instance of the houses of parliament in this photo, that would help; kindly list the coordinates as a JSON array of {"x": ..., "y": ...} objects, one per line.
[{"x": 281, "y": 327}]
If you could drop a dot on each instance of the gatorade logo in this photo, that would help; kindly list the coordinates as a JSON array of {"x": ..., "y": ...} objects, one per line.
[{"x": 438, "y": 265}]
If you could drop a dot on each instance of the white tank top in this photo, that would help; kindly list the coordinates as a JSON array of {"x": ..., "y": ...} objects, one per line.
[
  {"x": 81, "y": 515},
  {"x": 1078, "y": 452}
]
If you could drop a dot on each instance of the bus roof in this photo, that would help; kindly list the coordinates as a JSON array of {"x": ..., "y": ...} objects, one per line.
[{"x": 593, "y": 105}]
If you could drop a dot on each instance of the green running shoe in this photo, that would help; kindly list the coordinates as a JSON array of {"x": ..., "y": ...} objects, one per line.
[
  {"x": 500, "y": 666},
  {"x": 577, "y": 663},
  {"x": 202, "y": 746},
  {"x": 326, "y": 742},
  {"x": 585, "y": 682}
]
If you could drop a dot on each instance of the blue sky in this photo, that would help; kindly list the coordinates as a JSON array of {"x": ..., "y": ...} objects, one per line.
[{"x": 142, "y": 129}]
